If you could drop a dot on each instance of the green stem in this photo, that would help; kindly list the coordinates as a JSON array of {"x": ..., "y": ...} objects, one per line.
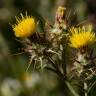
[
  {"x": 85, "y": 88},
  {"x": 91, "y": 87},
  {"x": 71, "y": 88}
]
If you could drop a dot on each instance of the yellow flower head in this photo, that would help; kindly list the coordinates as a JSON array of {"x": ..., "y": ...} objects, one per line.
[
  {"x": 81, "y": 37},
  {"x": 25, "y": 26}
]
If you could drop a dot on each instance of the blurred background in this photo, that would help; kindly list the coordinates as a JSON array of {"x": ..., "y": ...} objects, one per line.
[{"x": 14, "y": 81}]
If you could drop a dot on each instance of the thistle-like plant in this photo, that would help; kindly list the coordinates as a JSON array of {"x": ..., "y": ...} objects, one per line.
[{"x": 51, "y": 49}]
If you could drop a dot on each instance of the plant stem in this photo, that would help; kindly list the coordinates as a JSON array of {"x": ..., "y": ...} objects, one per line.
[
  {"x": 85, "y": 88},
  {"x": 71, "y": 88},
  {"x": 92, "y": 85}
]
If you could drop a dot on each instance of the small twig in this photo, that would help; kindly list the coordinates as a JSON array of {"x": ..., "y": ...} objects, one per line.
[
  {"x": 41, "y": 62},
  {"x": 16, "y": 54},
  {"x": 52, "y": 62},
  {"x": 51, "y": 51},
  {"x": 81, "y": 23},
  {"x": 30, "y": 62}
]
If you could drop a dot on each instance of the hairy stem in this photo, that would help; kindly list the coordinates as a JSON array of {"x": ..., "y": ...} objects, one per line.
[{"x": 71, "y": 89}]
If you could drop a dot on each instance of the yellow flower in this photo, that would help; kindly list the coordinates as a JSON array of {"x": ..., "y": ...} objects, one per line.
[
  {"x": 81, "y": 37},
  {"x": 25, "y": 26}
]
